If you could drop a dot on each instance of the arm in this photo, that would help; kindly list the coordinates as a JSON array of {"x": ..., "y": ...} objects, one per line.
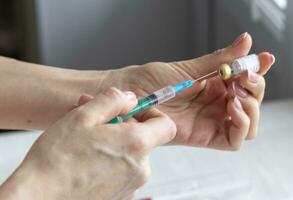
[
  {"x": 81, "y": 157},
  {"x": 34, "y": 96},
  {"x": 207, "y": 115}
]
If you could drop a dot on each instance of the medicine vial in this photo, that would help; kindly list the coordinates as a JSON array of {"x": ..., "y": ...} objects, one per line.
[{"x": 250, "y": 62}]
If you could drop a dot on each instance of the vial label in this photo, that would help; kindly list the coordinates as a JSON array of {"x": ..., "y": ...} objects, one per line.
[{"x": 250, "y": 62}]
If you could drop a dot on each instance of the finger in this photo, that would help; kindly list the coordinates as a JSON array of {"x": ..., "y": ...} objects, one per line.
[
  {"x": 254, "y": 84},
  {"x": 83, "y": 99},
  {"x": 159, "y": 128},
  {"x": 72, "y": 107},
  {"x": 106, "y": 105},
  {"x": 206, "y": 64},
  {"x": 250, "y": 106},
  {"x": 266, "y": 61},
  {"x": 240, "y": 122}
]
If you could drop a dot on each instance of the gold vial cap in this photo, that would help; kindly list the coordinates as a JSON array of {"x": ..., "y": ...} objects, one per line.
[{"x": 225, "y": 71}]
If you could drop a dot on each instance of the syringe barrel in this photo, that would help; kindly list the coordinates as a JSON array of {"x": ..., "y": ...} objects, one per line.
[
  {"x": 165, "y": 94},
  {"x": 145, "y": 103},
  {"x": 155, "y": 98}
]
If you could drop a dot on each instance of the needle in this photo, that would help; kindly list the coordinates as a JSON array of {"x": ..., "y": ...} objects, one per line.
[{"x": 207, "y": 76}]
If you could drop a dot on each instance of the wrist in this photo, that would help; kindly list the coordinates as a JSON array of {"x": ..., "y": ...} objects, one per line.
[
  {"x": 25, "y": 183},
  {"x": 97, "y": 81},
  {"x": 88, "y": 82}
]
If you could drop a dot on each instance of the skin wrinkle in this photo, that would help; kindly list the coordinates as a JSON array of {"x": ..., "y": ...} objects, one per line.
[
  {"x": 133, "y": 85},
  {"x": 189, "y": 139},
  {"x": 125, "y": 188},
  {"x": 107, "y": 151},
  {"x": 130, "y": 161},
  {"x": 148, "y": 74},
  {"x": 170, "y": 103},
  {"x": 182, "y": 72}
]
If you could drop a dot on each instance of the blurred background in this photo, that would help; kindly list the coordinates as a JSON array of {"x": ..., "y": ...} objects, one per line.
[{"x": 102, "y": 34}]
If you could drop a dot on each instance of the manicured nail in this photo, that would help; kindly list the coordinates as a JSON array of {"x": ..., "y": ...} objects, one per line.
[
  {"x": 237, "y": 103},
  {"x": 273, "y": 59},
  {"x": 83, "y": 99},
  {"x": 238, "y": 90},
  {"x": 130, "y": 95},
  {"x": 252, "y": 76},
  {"x": 239, "y": 39}
]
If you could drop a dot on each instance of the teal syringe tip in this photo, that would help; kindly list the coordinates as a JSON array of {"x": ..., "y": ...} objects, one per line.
[
  {"x": 157, "y": 97},
  {"x": 182, "y": 86}
]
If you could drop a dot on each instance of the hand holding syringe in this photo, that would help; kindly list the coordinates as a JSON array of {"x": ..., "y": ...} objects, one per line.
[{"x": 225, "y": 72}]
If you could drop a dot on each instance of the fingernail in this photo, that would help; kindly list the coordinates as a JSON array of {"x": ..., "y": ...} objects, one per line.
[
  {"x": 130, "y": 95},
  {"x": 84, "y": 99},
  {"x": 237, "y": 103},
  {"x": 239, "y": 39},
  {"x": 252, "y": 76},
  {"x": 238, "y": 90},
  {"x": 273, "y": 59}
]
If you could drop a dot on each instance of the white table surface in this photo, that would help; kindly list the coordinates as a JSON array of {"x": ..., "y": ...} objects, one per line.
[{"x": 262, "y": 169}]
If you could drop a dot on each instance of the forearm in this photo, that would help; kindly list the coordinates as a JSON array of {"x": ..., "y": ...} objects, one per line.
[
  {"x": 33, "y": 96},
  {"x": 23, "y": 184},
  {"x": 30, "y": 182}
]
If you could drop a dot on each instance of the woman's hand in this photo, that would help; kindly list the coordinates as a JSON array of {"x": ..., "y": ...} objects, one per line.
[
  {"x": 212, "y": 113},
  {"x": 82, "y": 157}
]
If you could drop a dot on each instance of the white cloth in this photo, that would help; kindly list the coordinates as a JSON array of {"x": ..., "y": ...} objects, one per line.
[{"x": 262, "y": 169}]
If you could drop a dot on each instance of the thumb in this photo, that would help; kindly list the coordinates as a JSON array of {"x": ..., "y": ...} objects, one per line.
[
  {"x": 208, "y": 63},
  {"x": 159, "y": 129},
  {"x": 83, "y": 99},
  {"x": 106, "y": 105}
]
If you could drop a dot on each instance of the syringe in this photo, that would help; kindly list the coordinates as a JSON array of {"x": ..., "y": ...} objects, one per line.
[
  {"x": 225, "y": 71},
  {"x": 155, "y": 98}
]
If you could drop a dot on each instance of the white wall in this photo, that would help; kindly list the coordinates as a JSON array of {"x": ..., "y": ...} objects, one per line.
[
  {"x": 234, "y": 18},
  {"x": 112, "y": 33}
]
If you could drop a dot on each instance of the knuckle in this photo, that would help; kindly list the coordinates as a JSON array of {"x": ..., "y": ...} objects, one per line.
[
  {"x": 131, "y": 128},
  {"x": 137, "y": 145},
  {"x": 251, "y": 136},
  {"x": 82, "y": 117},
  {"x": 172, "y": 126},
  {"x": 235, "y": 147},
  {"x": 262, "y": 83},
  {"x": 113, "y": 93},
  {"x": 150, "y": 64},
  {"x": 253, "y": 130},
  {"x": 255, "y": 106},
  {"x": 246, "y": 123},
  {"x": 259, "y": 87},
  {"x": 218, "y": 52},
  {"x": 143, "y": 176}
]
